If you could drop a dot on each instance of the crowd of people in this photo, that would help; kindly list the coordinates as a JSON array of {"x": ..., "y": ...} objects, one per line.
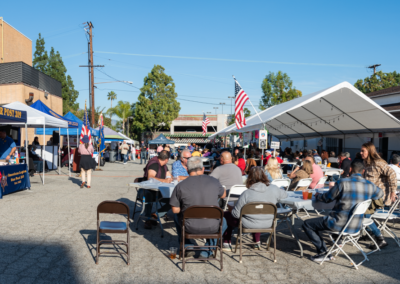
[{"x": 367, "y": 176}]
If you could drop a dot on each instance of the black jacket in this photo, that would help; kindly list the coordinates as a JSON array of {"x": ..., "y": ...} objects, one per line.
[{"x": 346, "y": 163}]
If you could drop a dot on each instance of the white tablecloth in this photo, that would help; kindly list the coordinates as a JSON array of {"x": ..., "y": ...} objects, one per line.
[
  {"x": 295, "y": 199},
  {"x": 166, "y": 189}
]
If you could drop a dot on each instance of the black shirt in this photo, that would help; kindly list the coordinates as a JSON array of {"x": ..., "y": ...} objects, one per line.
[
  {"x": 155, "y": 167},
  {"x": 143, "y": 148}
]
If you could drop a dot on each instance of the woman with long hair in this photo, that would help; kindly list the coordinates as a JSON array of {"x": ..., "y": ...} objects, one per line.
[
  {"x": 259, "y": 190},
  {"x": 249, "y": 164},
  {"x": 298, "y": 174},
  {"x": 378, "y": 172},
  {"x": 273, "y": 169},
  {"x": 324, "y": 156},
  {"x": 87, "y": 163}
]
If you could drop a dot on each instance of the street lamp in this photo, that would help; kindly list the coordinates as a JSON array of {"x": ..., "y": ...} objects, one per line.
[
  {"x": 129, "y": 82},
  {"x": 215, "y": 109},
  {"x": 231, "y": 102},
  {"x": 208, "y": 112},
  {"x": 222, "y": 107}
]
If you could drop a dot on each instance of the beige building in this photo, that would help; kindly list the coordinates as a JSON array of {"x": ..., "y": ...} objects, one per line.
[{"x": 19, "y": 81}]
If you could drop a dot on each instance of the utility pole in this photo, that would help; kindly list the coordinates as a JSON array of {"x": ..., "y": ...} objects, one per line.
[
  {"x": 215, "y": 110},
  {"x": 222, "y": 107},
  {"x": 374, "y": 67},
  {"x": 91, "y": 71},
  {"x": 231, "y": 102}
]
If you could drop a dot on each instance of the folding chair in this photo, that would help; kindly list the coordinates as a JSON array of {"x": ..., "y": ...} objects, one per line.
[
  {"x": 137, "y": 180},
  {"x": 281, "y": 183},
  {"x": 107, "y": 227},
  {"x": 358, "y": 209},
  {"x": 202, "y": 212},
  {"x": 235, "y": 190},
  {"x": 320, "y": 182},
  {"x": 305, "y": 182},
  {"x": 255, "y": 208},
  {"x": 381, "y": 217}
]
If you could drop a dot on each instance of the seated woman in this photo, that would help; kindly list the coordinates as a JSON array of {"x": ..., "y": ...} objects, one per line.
[
  {"x": 206, "y": 153},
  {"x": 250, "y": 164},
  {"x": 241, "y": 162},
  {"x": 273, "y": 169},
  {"x": 259, "y": 190},
  {"x": 298, "y": 174}
]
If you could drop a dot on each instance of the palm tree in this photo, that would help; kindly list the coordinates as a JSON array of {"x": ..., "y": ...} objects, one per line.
[
  {"x": 123, "y": 111},
  {"x": 111, "y": 96}
]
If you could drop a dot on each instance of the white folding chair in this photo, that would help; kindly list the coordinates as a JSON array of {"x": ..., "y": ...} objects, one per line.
[
  {"x": 305, "y": 182},
  {"x": 381, "y": 217},
  {"x": 358, "y": 209},
  {"x": 235, "y": 190},
  {"x": 281, "y": 183}
]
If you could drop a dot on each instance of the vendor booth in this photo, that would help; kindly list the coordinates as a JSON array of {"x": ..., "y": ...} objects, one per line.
[
  {"x": 38, "y": 119},
  {"x": 13, "y": 177},
  {"x": 161, "y": 139}
]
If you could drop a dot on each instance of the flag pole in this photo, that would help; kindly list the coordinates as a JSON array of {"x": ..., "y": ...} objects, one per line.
[{"x": 210, "y": 122}]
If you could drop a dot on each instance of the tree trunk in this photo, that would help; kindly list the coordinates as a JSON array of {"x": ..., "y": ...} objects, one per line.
[{"x": 110, "y": 114}]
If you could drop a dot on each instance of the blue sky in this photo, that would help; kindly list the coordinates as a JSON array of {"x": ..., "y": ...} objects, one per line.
[{"x": 317, "y": 43}]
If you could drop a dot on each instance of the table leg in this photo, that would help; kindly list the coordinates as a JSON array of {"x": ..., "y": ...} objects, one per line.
[{"x": 158, "y": 217}]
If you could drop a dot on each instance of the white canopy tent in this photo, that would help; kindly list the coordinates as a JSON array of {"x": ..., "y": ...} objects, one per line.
[
  {"x": 340, "y": 111},
  {"x": 38, "y": 119},
  {"x": 129, "y": 140}
]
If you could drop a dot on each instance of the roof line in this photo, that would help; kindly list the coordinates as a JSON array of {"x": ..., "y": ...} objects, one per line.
[{"x": 16, "y": 29}]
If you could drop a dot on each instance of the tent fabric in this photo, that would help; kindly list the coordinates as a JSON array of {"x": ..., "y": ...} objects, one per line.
[
  {"x": 109, "y": 133},
  {"x": 129, "y": 140},
  {"x": 70, "y": 117},
  {"x": 161, "y": 139},
  {"x": 9, "y": 116},
  {"x": 35, "y": 118},
  {"x": 333, "y": 112},
  {"x": 39, "y": 105}
]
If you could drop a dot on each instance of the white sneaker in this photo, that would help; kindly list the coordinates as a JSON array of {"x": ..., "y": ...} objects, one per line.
[
  {"x": 124, "y": 163},
  {"x": 226, "y": 247},
  {"x": 320, "y": 257}
]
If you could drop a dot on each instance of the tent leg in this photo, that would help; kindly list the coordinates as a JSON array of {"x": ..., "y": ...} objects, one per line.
[
  {"x": 44, "y": 143},
  {"x": 26, "y": 145},
  {"x": 69, "y": 155},
  {"x": 59, "y": 151}
]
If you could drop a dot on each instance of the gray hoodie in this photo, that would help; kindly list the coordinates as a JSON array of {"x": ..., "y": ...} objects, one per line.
[{"x": 258, "y": 192}]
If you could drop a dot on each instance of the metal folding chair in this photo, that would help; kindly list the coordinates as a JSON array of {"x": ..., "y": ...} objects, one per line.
[
  {"x": 281, "y": 183},
  {"x": 382, "y": 216},
  {"x": 235, "y": 190},
  {"x": 358, "y": 209},
  {"x": 255, "y": 208},
  {"x": 305, "y": 182},
  {"x": 320, "y": 182}
]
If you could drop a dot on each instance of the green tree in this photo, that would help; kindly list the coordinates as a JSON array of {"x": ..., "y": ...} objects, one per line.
[
  {"x": 247, "y": 113},
  {"x": 378, "y": 81},
  {"x": 123, "y": 111},
  {"x": 111, "y": 96},
  {"x": 277, "y": 88},
  {"x": 157, "y": 106},
  {"x": 40, "y": 57},
  {"x": 53, "y": 66}
]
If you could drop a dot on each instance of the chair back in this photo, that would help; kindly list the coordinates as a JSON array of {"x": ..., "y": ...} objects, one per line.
[
  {"x": 112, "y": 207},
  {"x": 358, "y": 209},
  {"x": 281, "y": 182},
  {"x": 305, "y": 182},
  {"x": 203, "y": 212},
  {"x": 237, "y": 189},
  {"x": 255, "y": 208},
  {"x": 321, "y": 181}
]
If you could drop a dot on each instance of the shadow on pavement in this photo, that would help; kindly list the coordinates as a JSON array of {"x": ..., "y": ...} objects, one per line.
[{"x": 33, "y": 263}]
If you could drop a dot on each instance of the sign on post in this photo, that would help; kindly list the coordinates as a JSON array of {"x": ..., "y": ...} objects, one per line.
[
  {"x": 246, "y": 139},
  {"x": 275, "y": 145},
  {"x": 263, "y": 139}
]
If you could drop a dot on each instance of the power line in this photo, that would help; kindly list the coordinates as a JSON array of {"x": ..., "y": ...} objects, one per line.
[{"x": 116, "y": 79}]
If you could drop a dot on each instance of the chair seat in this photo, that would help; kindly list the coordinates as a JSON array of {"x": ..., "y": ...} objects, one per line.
[
  {"x": 367, "y": 221},
  {"x": 269, "y": 230},
  {"x": 383, "y": 216},
  {"x": 202, "y": 236},
  {"x": 106, "y": 225},
  {"x": 345, "y": 234},
  {"x": 231, "y": 198},
  {"x": 284, "y": 210}
]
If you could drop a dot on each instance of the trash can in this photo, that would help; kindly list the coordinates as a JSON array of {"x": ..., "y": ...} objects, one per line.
[{"x": 113, "y": 156}]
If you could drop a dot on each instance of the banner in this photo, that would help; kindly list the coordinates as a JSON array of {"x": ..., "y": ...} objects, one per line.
[{"x": 14, "y": 178}]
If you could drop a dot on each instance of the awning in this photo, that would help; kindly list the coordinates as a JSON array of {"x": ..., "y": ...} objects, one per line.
[
  {"x": 161, "y": 140},
  {"x": 39, "y": 105},
  {"x": 10, "y": 116},
  {"x": 333, "y": 112}
]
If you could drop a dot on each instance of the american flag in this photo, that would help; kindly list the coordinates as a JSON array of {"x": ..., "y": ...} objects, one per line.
[
  {"x": 85, "y": 126},
  {"x": 240, "y": 99},
  {"x": 206, "y": 122}
]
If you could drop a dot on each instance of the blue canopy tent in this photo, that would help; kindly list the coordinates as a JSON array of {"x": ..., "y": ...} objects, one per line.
[
  {"x": 161, "y": 139},
  {"x": 40, "y": 106}
]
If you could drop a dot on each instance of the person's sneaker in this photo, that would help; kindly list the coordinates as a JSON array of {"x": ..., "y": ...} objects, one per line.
[
  {"x": 226, "y": 247},
  {"x": 147, "y": 225},
  {"x": 380, "y": 241},
  {"x": 190, "y": 253},
  {"x": 320, "y": 257},
  {"x": 124, "y": 163},
  {"x": 257, "y": 246}
]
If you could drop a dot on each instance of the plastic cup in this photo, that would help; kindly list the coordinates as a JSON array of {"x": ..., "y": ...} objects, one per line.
[
  {"x": 310, "y": 195},
  {"x": 172, "y": 252},
  {"x": 305, "y": 194}
]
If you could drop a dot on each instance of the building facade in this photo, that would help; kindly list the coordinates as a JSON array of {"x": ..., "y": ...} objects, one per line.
[{"x": 19, "y": 81}]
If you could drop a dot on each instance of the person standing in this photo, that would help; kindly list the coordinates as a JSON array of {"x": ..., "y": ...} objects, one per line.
[
  {"x": 159, "y": 148},
  {"x": 379, "y": 172},
  {"x": 143, "y": 153},
  {"x": 124, "y": 151},
  {"x": 87, "y": 163},
  {"x": 133, "y": 152},
  {"x": 7, "y": 146}
]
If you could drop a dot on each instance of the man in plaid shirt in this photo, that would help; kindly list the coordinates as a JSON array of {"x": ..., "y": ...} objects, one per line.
[{"x": 347, "y": 193}]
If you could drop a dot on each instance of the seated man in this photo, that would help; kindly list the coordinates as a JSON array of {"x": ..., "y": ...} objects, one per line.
[
  {"x": 157, "y": 169},
  {"x": 347, "y": 192},
  {"x": 345, "y": 164},
  {"x": 395, "y": 165},
  {"x": 268, "y": 154},
  {"x": 317, "y": 173},
  {"x": 228, "y": 174},
  {"x": 179, "y": 168},
  {"x": 317, "y": 158},
  {"x": 197, "y": 189}
]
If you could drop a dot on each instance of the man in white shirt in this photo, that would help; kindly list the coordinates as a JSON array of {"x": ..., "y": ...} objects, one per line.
[{"x": 395, "y": 165}]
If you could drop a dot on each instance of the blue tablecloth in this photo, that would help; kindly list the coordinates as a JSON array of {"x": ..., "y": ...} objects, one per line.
[{"x": 14, "y": 178}]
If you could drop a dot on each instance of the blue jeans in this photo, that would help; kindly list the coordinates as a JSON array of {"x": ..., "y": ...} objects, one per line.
[
  {"x": 373, "y": 228},
  {"x": 209, "y": 242},
  {"x": 143, "y": 157},
  {"x": 125, "y": 158},
  {"x": 313, "y": 229}
]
